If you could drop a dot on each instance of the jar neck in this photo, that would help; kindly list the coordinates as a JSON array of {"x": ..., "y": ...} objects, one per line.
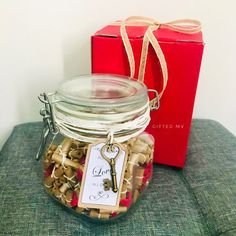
[{"x": 91, "y": 127}]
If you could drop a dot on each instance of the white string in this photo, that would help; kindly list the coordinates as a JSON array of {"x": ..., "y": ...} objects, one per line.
[
  {"x": 61, "y": 195},
  {"x": 63, "y": 156},
  {"x": 68, "y": 201},
  {"x": 70, "y": 178},
  {"x": 53, "y": 171},
  {"x": 80, "y": 124},
  {"x": 128, "y": 181},
  {"x": 47, "y": 186},
  {"x": 77, "y": 185},
  {"x": 76, "y": 127}
]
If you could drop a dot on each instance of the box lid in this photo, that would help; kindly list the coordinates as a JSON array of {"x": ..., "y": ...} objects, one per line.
[{"x": 161, "y": 34}]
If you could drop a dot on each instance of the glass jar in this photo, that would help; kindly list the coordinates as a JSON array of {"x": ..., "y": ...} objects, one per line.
[{"x": 97, "y": 157}]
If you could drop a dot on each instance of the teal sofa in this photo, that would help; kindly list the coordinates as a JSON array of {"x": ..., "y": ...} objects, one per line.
[{"x": 199, "y": 200}]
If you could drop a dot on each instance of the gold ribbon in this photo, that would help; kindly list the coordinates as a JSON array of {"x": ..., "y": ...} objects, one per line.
[{"x": 186, "y": 26}]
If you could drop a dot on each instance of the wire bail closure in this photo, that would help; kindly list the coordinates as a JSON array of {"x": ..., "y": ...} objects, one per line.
[
  {"x": 47, "y": 113},
  {"x": 155, "y": 102},
  {"x": 49, "y": 125}
]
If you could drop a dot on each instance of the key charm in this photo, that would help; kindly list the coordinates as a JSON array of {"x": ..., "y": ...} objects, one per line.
[
  {"x": 107, "y": 184},
  {"x": 112, "y": 162},
  {"x": 113, "y": 175}
]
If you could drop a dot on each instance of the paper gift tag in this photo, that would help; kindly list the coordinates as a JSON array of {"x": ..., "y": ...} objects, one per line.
[{"x": 92, "y": 193}]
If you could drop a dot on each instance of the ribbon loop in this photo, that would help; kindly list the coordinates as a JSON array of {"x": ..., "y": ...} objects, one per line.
[
  {"x": 186, "y": 26},
  {"x": 142, "y": 20}
]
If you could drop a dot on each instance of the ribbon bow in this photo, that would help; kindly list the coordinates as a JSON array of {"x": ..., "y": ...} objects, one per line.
[{"x": 186, "y": 26}]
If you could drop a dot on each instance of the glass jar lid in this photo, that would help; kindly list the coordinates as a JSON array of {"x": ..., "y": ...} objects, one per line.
[
  {"x": 89, "y": 107},
  {"x": 101, "y": 93}
]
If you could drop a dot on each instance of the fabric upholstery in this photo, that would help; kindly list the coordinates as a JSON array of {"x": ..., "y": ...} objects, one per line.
[{"x": 199, "y": 200}]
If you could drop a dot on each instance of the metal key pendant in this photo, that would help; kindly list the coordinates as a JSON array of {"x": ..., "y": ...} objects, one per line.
[
  {"x": 113, "y": 175},
  {"x": 113, "y": 182},
  {"x": 112, "y": 162}
]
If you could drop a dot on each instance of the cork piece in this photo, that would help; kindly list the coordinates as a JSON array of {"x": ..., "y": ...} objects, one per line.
[
  {"x": 46, "y": 163},
  {"x": 95, "y": 214},
  {"x": 58, "y": 172},
  {"x": 57, "y": 183},
  {"x": 64, "y": 187},
  {"x": 68, "y": 195},
  {"x": 47, "y": 160},
  {"x": 76, "y": 160},
  {"x": 56, "y": 192},
  {"x": 75, "y": 144},
  {"x": 48, "y": 182},
  {"x": 146, "y": 138},
  {"x": 139, "y": 177},
  {"x": 69, "y": 173},
  {"x": 63, "y": 148},
  {"x": 62, "y": 180},
  {"x": 76, "y": 153},
  {"x": 136, "y": 158},
  {"x": 121, "y": 209},
  {"x": 66, "y": 145},
  {"x": 131, "y": 141},
  {"x": 134, "y": 161},
  {"x": 150, "y": 156},
  {"x": 58, "y": 159},
  {"x": 123, "y": 191},
  {"x": 50, "y": 151},
  {"x": 139, "y": 146},
  {"x": 77, "y": 190}
]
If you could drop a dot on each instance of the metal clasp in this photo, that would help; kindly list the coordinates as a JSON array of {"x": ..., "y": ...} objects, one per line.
[
  {"x": 155, "y": 102},
  {"x": 47, "y": 113},
  {"x": 109, "y": 142},
  {"x": 48, "y": 121}
]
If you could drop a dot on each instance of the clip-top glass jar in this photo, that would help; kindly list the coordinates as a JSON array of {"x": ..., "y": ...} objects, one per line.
[{"x": 98, "y": 159}]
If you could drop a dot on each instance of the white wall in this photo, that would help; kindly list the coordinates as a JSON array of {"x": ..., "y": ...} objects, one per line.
[{"x": 43, "y": 41}]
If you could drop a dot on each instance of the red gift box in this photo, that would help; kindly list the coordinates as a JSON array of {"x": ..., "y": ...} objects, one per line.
[{"x": 170, "y": 124}]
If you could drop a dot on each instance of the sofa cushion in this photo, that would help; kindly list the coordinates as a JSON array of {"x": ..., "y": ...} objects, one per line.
[
  {"x": 197, "y": 201},
  {"x": 210, "y": 174}
]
